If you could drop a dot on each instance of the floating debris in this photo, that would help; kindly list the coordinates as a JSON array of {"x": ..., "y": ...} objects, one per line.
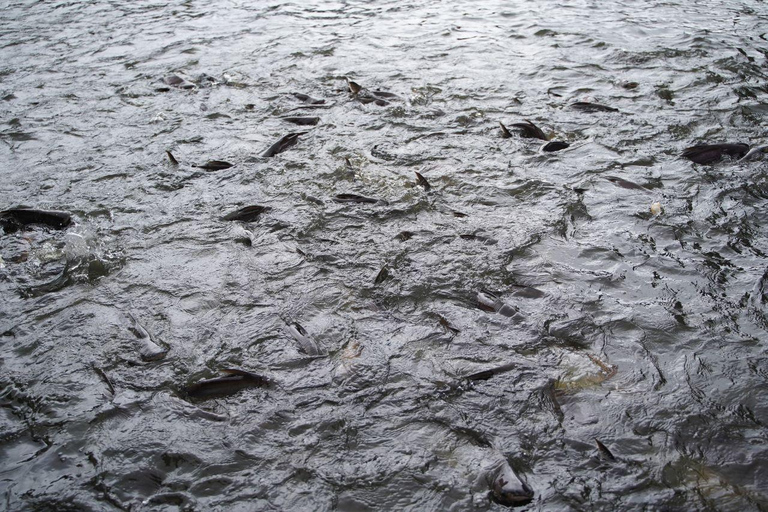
[{"x": 656, "y": 208}]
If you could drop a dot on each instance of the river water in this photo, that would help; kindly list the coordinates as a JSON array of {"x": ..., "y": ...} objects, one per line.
[{"x": 644, "y": 331}]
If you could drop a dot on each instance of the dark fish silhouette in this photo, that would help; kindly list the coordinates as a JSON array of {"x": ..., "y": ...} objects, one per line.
[
  {"x": 585, "y": 106},
  {"x": 354, "y": 198},
  {"x": 630, "y": 185},
  {"x": 605, "y": 453},
  {"x": 149, "y": 349},
  {"x": 509, "y": 489},
  {"x": 421, "y": 180},
  {"x": 370, "y": 99},
  {"x": 404, "y": 235},
  {"x": 304, "y": 121},
  {"x": 308, "y": 99},
  {"x": 710, "y": 153},
  {"x": 214, "y": 165},
  {"x": 14, "y": 219},
  {"x": 284, "y": 143},
  {"x": 106, "y": 380},
  {"x": 530, "y": 131},
  {"x": 487, "y": 374},
  {"x": 247, "y": 214},
  {"x": 171, "y": 158},
  {"x": 504, "y": 132},
  {"x": 555, "y": 145},
  {"x": 307, "y": 344},
  {"x": 382, "y": 275},
  {"x": 235, "y": 381},
  {"x": 354, "y": 87},
  {"x": 384, "y": 94}
]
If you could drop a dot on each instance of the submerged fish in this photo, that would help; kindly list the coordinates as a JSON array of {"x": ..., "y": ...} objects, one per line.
[
  {"x": 307, "y": 99},
  {"x": 487, "y": 301},
  {"x": 487, "y": 374},
  {"x": 530, "y": 131},
  {"x": 555, "y": 145},
  {"x": 710, "y": 153},
  {"x": 247, "y": 214},
  {"x": 384, "y": 94},
  {"x": 14, "y": 219},
  {"x": 304, "y": 121},
  {"x": 382, "y": 275},
  {"x": 630, "y": 185},
  {"x": 214, "y": 165},
  {"x": 354, "y": 198},
  {"x": 307, "y": 344},
  {"x": 284, "y": 143},
  {"x": 236, "y": 380},
  {"x": 149, "y": 349},
  {"x": 586, "y": 106},
  {"x": 509, "y": 489}
]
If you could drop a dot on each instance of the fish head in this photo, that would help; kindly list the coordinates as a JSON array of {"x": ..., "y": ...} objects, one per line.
[{"x": 509, "y": 489}]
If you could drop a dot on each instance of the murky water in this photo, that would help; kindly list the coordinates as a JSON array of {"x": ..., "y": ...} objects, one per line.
[{"x": 647, "y": 332}]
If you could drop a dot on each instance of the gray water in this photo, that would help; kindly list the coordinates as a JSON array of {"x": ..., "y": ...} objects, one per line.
[{"x": 675, "y": 302}]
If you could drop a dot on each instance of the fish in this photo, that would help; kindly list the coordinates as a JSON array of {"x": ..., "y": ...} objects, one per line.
[
  {"x": 605, "y": 453},
  {"x": 304, "y": 121},
  {"x": 586, "y": 106},
  {"x": 382, "y": 275},
  {"x": 621, "y": 182},
  {"x": 505, "y": 134},
  {"x": 354, "y": 87},
  {"x": 178, "y": 82},
  {"x": 509, "y": 489},
  {"x": 106, "y": 380},
  {"x": 149, "y": 349},
  {"x": 14, "y": 219},
  {"x": 530, "y": 130},
  {"x": 284, "y": 143},
  {"x": 754, "y": 151},
  {"x": 307, "y": 99},
  {"x": 214, "y": 165},
  {"x": 711, "y": 153},
  {"x": 488, "y": 301},
  {"x": 247, "y": 214},
  {"x": 404, "y": 235},
  {"x": 421, "y": 180},
  {"x": 354, "y": 198},
  {"x": 307, "y": 344},
  {"x": 487, "y": 374},
  {"x": 555, "y": 145},
  {"x": 446, "y": 324},
  {"x": 236, "y": 380},
  {"x": 171, "y": 158},
  {"x": 370, "y": 99}
]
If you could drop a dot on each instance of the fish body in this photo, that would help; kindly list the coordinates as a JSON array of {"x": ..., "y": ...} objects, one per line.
[
  {"x": 307, "y": 99},
  {"x": 384, "y": 94},
  {"x": 711, "y": 153},
  {"x": 586, "y": 106},
  {"x": 306, "y": 343},
  {"x": 555, "y": 145},
  {"x": 284, "y": 143},
  {"x": 530, "y": 131},
  {"x": 487, "y": 301},
  {"x": 303, "y": 121},
  {"x": 235, "y": 381},
  {"x": 382, "y": 275},
  {"x": 149, "y": 349},
  {"x": 214, "y": 165},
  {"x": 487, "y": 374},
  {"x": 178, "y": 82},
  {"x": 14, "y": 219},
  {"x": 247, "y": 214},
  {"x": 509, "y": 489},
  {"x": 354, "y": 87},
  {"x": 354, "y": 198},
  {"x": 621, "y": 182}
]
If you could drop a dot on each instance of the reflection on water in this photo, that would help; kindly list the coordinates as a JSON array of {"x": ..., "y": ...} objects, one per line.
[{"x": 492, "y": 315}]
